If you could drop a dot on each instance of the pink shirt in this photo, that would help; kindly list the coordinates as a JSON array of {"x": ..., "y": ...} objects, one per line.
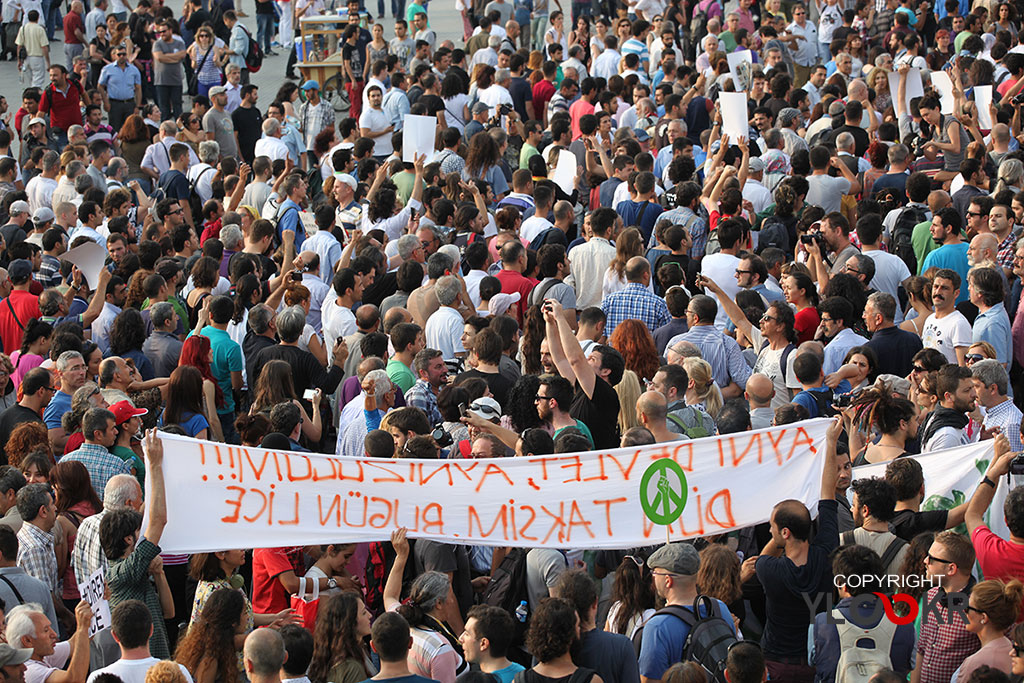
[{"x": 578, "y": 110}]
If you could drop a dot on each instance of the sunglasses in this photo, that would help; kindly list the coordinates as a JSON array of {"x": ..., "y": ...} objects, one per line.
[
  {"x": 1018, "y": 650},
  {"x": 938, "y": 560},
  {"x": 973, "y": 357},
  {"x": 918, "y": 368},
  {"x": 768, "y": 318}
]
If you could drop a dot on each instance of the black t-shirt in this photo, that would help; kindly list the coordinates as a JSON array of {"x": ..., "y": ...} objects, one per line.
[
  {"x": 175, "y": 186},
  {"x": 432, "y": 556},
  {"x": 860, "y": 138},
  {"x": 499, "y": 385},
  {"x": 11, "y": 418},
  {"x": 609, "y": 654},
  {"x": 433, "y": 103},
  {"x": 247, "y": 122},
  {"x": 600, "y": 413},
  {"x": 908, "y": 524},
  {"x": 307, "y": 373},
  {"x": 521, "y": 93},
  {"x": 380, "y": 289},
  {"x": 354, "y": 55},
  {"x": 200, "y": 17}
]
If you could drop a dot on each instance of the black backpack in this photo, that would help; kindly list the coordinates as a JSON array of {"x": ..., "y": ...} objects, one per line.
[
  {"x": 824, "y": 400},
  {"x": 709, "y": 639},
  {"x": 254, "y": 54},
  {"x": 773, "y": 233},
  {"x": 507, "y": 590},
  {"x": 195, "y": 202},
  {"x": 902, "y": 231}
]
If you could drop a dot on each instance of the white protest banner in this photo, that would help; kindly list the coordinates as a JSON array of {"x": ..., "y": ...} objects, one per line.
[
  {"x": 734, "y": 115},
  {"x": 564, "y": 173},
  {"x": 418, "y": 136},
  {"x": 89, "y": 258},
  {"x": 735, "y": 59},
  {"x": 983, "y": 99},
  {"x": 221, "y": 496},
  {"x": 944, "y": 86},
  {"x": 951, "y": 477},
  {"x": 93, "y": 592},
  {"x": 915, "y": 88}
]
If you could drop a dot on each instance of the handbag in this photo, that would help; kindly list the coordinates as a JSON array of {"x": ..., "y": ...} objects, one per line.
[
  {"x": 307, "y": 603},
  {"x": 193, "y": 83}
]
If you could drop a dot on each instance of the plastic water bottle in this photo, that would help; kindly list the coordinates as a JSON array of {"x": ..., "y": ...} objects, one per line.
[{"x": 522, "y": 611}]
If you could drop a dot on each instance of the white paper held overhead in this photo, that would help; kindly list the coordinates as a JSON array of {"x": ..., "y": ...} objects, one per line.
[
  {"x": 89, "y": 258},
  {"x": 418, "y": 137}
]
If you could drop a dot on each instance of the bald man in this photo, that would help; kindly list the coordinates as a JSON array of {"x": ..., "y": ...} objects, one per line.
[
  {"x": 759, "y": 393},
  {"x": 264, "y": 655},
  {"x": 652, "y": 411},
  {"x": 636, "y": 300},
  {"x": 367, "y": 321},
  {"x": 396, "y": 315},
  {"x": 680, "y": 351}
]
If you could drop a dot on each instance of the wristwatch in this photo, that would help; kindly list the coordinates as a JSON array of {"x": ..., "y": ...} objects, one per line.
[{"x": 331, "y": 583}]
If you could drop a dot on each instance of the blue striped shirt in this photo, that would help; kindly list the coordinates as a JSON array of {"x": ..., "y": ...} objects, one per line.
[{"x": 720, "y": 351}]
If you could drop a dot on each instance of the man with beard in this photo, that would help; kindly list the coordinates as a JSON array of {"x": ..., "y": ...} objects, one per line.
[
  {"x": 554, "y": 397},
  {"x": 952, "y": 251},
  {"x": 945, "y": 426},
  {"x": 947, "y": 330}
]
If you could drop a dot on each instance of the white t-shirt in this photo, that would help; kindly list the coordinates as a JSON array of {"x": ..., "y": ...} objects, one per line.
[
  {"x": 722, "y": 269},
  {"x": 946, "y": 334},
  {"x": 133, "y": 670},
  {"x": 377, "y": 120},
  {"x": 338, "y": 322},
  {"x": 768, "y": 363},
  {"x": 493, "y": 96},
  {"x": 533, "y": 226},
  {"x": 444, "y": 332},
  {"x": 38, "y": 672},
  {"x": 890, "y": 272}
]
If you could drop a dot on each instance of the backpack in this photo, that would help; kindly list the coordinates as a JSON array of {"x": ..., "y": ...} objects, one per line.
[
  {"x": 546, "y": 237},
  {"x": 709, "y": 639},
  {"x": 824, "y": 400},
  {"x": 773, "y": 233},
  {"x": 195, "y": 202},
  {"x": 857, "y": 664},
  {"x": 278, "y": 235},
  {"x": 253, "y": 54},
  {"x": 379, "y": 560},
  {"x": 891, "y": 551},
  {"x": 900, "y": 241},
  {"x": 537, "y": 295},
  {"x": 698, "y": 430},
  {"x": 782, "y": 361},
  {"x": 507, "y": 590}
]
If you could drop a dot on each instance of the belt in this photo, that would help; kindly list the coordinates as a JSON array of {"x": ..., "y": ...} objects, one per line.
[{"x": 130, "y": 99}]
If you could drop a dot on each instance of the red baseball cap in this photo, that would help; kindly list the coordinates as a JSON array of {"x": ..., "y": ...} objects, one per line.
[{"x": 124, "y": 411}]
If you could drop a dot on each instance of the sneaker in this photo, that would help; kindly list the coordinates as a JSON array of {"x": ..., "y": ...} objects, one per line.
[
  {"x": 291, "y": 77},
  {"x": 271, "y": 53}
]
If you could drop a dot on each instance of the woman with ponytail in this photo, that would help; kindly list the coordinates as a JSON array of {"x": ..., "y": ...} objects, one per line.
[
  {"x": 633, "y": 598},
  {"x": 702, "y": 392},
  {"x": 994, "y": 607},
  {"x": 435, "y": 652},
  {"x": 35, "y": 347}
]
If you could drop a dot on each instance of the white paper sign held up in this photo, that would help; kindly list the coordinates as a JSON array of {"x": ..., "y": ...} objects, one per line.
[
  {"x": 418, "y": 137},
  {"x": 93, "y": 592}
]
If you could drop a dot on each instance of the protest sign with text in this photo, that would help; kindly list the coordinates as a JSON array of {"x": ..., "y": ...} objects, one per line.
[{"x": 221, "y": 496}]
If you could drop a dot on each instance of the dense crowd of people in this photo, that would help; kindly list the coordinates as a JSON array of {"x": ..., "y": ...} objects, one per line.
[{"x": 591, "y": 257}]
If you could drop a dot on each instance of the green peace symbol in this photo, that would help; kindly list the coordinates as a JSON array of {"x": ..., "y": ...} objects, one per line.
[{"x": 667, "y": 504}]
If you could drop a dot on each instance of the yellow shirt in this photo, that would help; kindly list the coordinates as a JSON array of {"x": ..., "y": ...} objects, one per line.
[{"x": 32, "y": 37}]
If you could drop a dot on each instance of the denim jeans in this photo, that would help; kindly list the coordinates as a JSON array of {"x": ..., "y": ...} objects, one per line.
[
  {"x": 168, "y": 98},
  {"x": 398, "y": 8},
  {"x": 264, "y": 30}
]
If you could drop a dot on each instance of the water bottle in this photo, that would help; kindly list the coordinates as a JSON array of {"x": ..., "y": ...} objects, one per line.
[{"x": 522, "y": 611}]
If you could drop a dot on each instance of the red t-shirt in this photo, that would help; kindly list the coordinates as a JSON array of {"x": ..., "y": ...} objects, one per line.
[
  {"x": 268, "y": 594},
  {"x": 65, "y": 108},
  {"x": 998, "y": 558},
  {"x": 511, "y": 281},
  {"x": 26, "y": 307},
  {"x": 577, "y": 111},
  {"x": 806, "y": 325},
  {"x": 72, "y": 22},
  {"x": 542, "y": 92}
]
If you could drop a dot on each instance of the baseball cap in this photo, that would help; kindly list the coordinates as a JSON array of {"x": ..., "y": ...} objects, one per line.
[
  {"x": 20, "y": 206},
  {"x": 347, "y": 178},
  {"x": 19, "y": 269},
  {"x": 897, "y": 385},
  {"x": 677, "y": 558},
  {"x": 37, "y": 119},
  {"x": 480, "y": 108},
  {"x": 43, "y": 214},
  {"x": 124, "y": 411},
  {"x": 500, "y": 303},
  {"x": 641, "y": 135},
  {"x": 217, "y": 90},
  {"x": 756, "y": 165},
  {"x": 486, "y": 407},
  {"x": 13, "y": 656},
  {"x": 310, "y": 85}
]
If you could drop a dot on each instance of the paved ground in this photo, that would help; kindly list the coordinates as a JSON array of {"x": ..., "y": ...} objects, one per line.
[{"x": 443, "y": 19}]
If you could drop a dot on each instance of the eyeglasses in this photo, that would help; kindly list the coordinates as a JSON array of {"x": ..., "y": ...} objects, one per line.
[
  {"x": 663, "y": 574},
  {"x": 976, "y": 214},
  {"x": 827, "y": 320},
  {"x": 852, "y": 270},
  {"x": 179, "y": 210},
  {"x": 766, "y": 318},
  {"x": 968, "y": 608},
  {"x": 1018, "y": 650},
  {"x": 636, "y": 560},
  {"x": 538, "y": 397},
  {"x": 929, "y": 558},
  {"x": 743, "y": 272}
]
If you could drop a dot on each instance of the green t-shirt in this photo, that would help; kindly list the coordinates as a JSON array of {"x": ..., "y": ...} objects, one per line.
[
  {"x": 400, "y": 374},
  {"x": 525, "y": 153},
  {"x": 583, "y": 428},
  {"x": 405, "y": 182},
  {"x": 130, "y": 457},
  {"x": 921, "y": 240}
]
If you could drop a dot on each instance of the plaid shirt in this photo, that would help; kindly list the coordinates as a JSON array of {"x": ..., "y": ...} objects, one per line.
[
  {"x": 101, "y": 463},
  {"x": 48, "y": 274},
  {"x": 1007, "y": 417},
  {"x": 36, "y": 555},
  {"x": 422, "y": 396},
  {"x": 313, "y": 119},
  {"x": 696, "y": 226},
  {"x": 1004, "y": 257},
  {"x": 88, "y": 555},
  {"x": 634, "y": 302},
  {"x": 944, "y": 642}
]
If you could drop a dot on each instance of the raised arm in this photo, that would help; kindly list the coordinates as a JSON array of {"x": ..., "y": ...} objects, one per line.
[
  {"x": 731, "y": 308},
  {"x": 393, "y": 587},
  {"x": 156, "y": 518},
  {"x": 982, "y": 498},
  {"x": 571, "y": 348}
]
